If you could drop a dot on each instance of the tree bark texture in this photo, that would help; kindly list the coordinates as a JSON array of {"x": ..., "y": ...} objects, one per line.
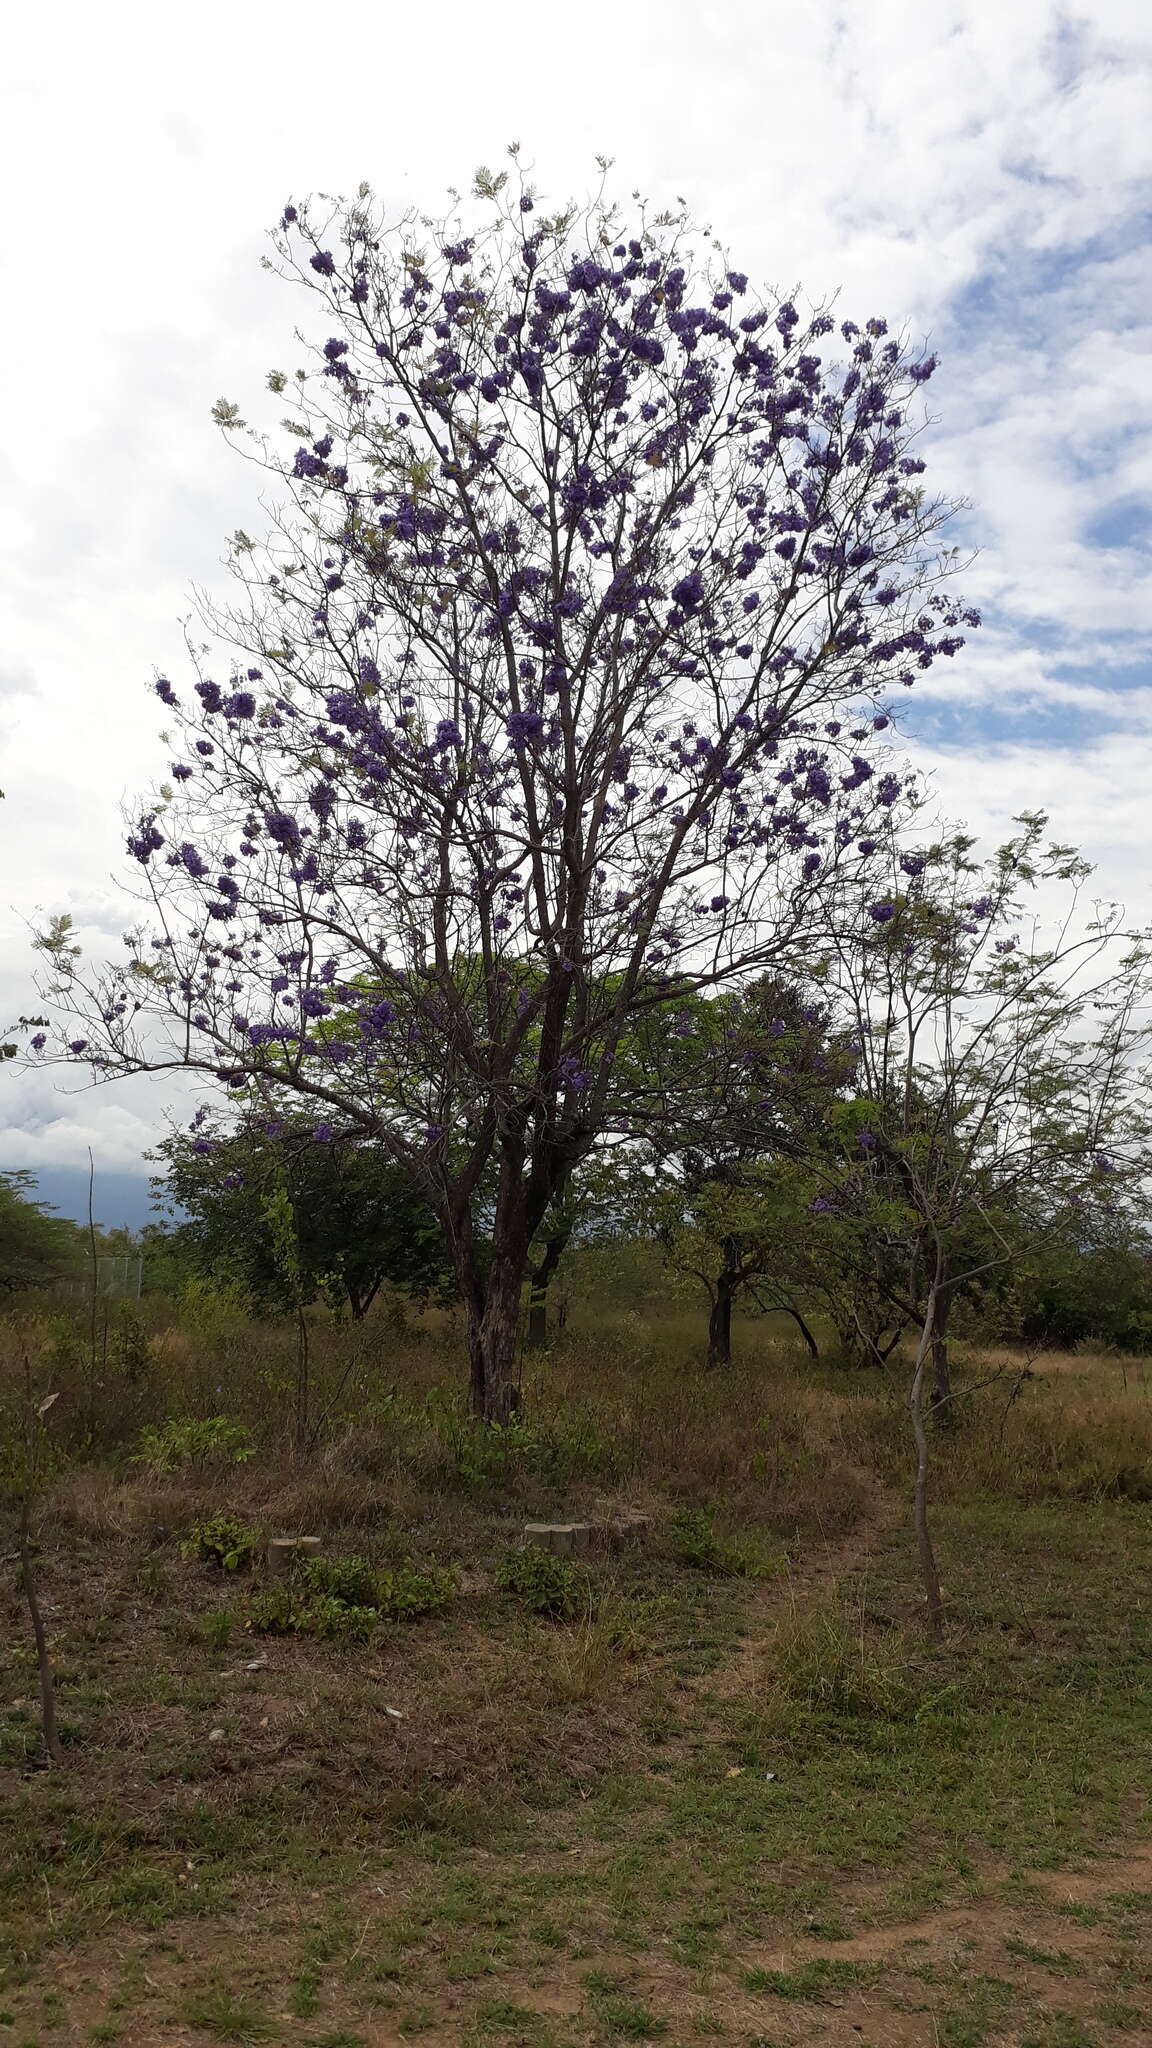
[
  {"x": 942, "y": 1406},
  {"x": 720, "y": 1319},
  {"x": 539, "y": 1281}
]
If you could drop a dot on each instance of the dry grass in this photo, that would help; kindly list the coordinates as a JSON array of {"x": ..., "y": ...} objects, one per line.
[
  {"x": 618, "y": 1408},
  {"x": 674, "y": 1783}
]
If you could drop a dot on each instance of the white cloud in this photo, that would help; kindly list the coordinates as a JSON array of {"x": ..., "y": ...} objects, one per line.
[
  {"x": 44, "y": 1123},
  {"x": 1095, "y": 796}
]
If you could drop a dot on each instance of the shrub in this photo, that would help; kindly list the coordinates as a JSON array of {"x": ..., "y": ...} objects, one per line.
[
  {"x": 339, "y": 1620},
  {"x": 345, "y": 1599},
  {"x": 224, "y": 1542},
  {"x": 350, "y": 1580},
  {"x": 697, "y": 1542},
  {"x": 545, "y": 1584},
  {"x": 275, "y": 1610},
  {"x": 405, "y": 1594},
  {"x": 192, "y": 1442}
]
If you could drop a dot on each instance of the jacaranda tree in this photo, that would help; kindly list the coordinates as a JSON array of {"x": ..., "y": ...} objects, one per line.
[{"x": 558, "y": 682}]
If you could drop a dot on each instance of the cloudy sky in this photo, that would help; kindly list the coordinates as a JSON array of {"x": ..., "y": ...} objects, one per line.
[{"x": 979, "y": 170}]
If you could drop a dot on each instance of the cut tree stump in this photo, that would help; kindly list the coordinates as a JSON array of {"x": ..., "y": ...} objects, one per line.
[
  {"x": 577, "y": 1539},
  {"x": 563, "y": 1539},
  {"x": 283, "y": 1552}
]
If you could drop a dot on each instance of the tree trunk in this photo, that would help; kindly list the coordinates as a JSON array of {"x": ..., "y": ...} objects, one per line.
[
  {"x": 43, "y": 1656},
  {"x": 303, "y": 1376},
  {"x": 539, "y": 1280},
  {"x": 720, "y": 1321},
  {"x": 929, "y": 1575},
  {"x": 942, "y": 1408},
  {"x": 491, "y": 1293},
  {"x": 493, "y": 1343}
]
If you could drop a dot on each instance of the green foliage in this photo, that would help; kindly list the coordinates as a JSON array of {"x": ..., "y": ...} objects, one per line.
[
  {"x": 352, "y": 1580},
  {"x": 276, "y": 1610},
  {"x": 1069, "y": 1293},
  {"x": 697, "y": 1542},
  {"x": 191, "y": 1442},
  {"x": 223, "y": 1541},
  {"x": 545, "y": 1584},
  {"x": 407, "y": 1594},
  {"x": 289, "y": 1219},
  {"x": 345, "y": 1599},
  {"x": 339, "y": 1621},
  {"x": 815, "y": 1981},
  {"x": 36, "y": 1247}
]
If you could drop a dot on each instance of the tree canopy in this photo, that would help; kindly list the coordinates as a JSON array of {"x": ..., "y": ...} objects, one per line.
[
  {"x": 356, "y": 1218},
  {"x": 36, "y": 1246},
  {"x": 561, "y": 691}
]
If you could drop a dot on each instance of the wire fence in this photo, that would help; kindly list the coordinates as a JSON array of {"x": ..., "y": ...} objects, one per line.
[{"x": 117, "y": 1279}]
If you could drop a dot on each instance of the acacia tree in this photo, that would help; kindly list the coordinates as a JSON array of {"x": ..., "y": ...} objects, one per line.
[
  {"x": 738, "y": 1085},
  {"x": 559, "y": 675},
  {"x": 358, "y": 1220},
  {"x": 1002, "y": 1090}
]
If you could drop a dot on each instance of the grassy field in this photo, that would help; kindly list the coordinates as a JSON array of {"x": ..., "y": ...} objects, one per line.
[{"x": 726, "y": 1789}]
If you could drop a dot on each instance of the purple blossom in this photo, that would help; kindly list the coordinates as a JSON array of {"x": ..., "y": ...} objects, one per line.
[
  {"x": 145, "y": 841},
  {"x": 524, "y": 727},
  {"x": 284, "y": 830},
  {"x": 688, "y": 593}
]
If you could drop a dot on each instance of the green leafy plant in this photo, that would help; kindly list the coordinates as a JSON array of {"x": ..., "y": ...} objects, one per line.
[
  {"x": 697, "y": 1542},
  {"x": 487, "y": 1454},
  {"x": 545, "y": 1584},
  {"x": 351, "y": 1580},
  {"x": 345, "y": 1598},
  {"x": 275, "y": 1610},
  {"x": 223, "y": 1541},
  {"x": 406, "y": 1594},
  {"x": 191, "y": 1442},
  {"x": 340, "y": 1621}
]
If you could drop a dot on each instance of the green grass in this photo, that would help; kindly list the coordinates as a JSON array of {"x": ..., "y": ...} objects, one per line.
[
  {"x": 229, "y": 2015},
  {"x": 619, "y": 2016},
  {"x": 1057, "y": 1961},
  {"x": 815, "y": 1981}
]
